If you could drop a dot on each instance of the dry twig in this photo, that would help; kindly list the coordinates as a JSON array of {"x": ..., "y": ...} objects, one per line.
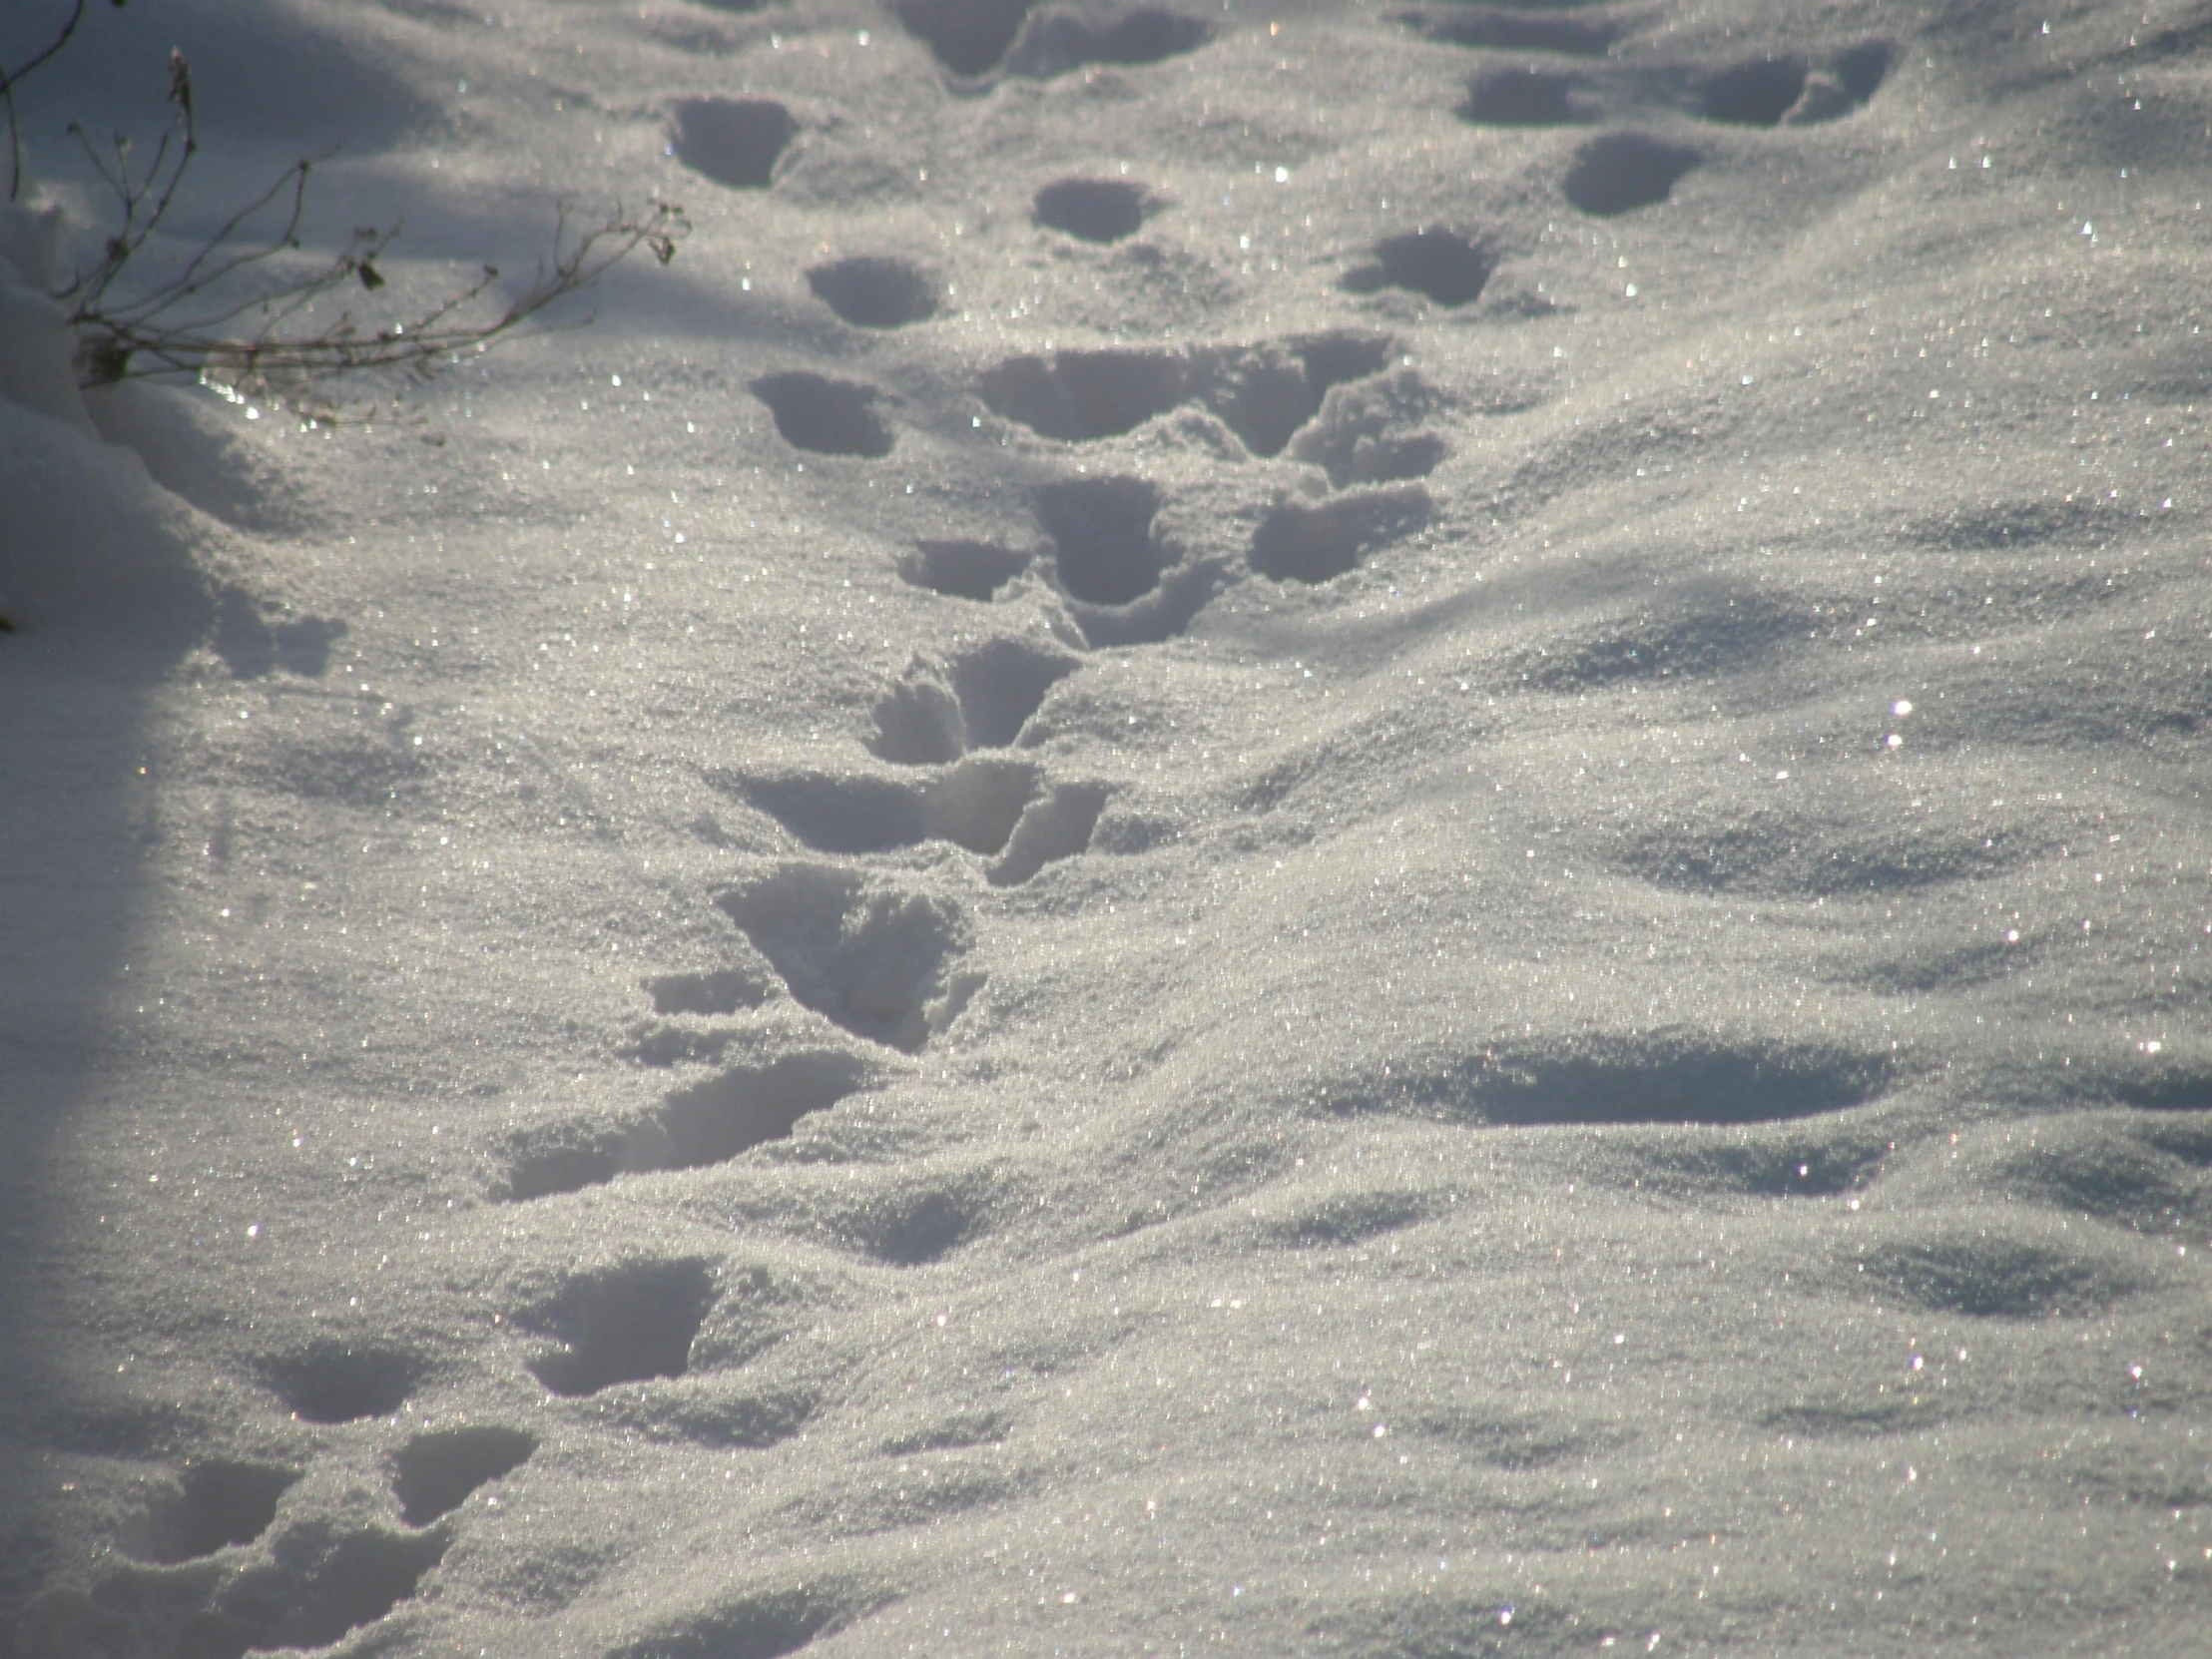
[{"x": 210, "y": 322}]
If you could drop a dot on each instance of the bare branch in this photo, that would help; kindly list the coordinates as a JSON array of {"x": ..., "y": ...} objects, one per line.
[{"x": 233, "y": 318}]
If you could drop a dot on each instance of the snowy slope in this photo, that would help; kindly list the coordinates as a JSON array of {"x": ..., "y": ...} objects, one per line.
[{"x": 1334, "y": 829}]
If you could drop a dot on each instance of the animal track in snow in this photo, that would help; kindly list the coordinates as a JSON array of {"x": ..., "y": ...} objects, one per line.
[
  {"x": 321, "y": 1580},
  {"x": 339, "y": 1382},
  {"x": 1521, "y": 98},
  {"x": 1264, "y": 393},
  {"x": 828, "y": 418},
  {"x": 708, "y": 1123},
  {"x": 563, "y": 1163},
  {"x": 722, "y": 992},
  {"x": 1301, "y": 543},
  {"x": 2183, "y": 1088},
  {"x": 1078, "y": 395},
  {"x": 1057, "y": 42},
  {"x": 967, "y": 36},
  {"x": 629, "y": 1323},
  {"x": 1618, "y": 173},
  {"x": 1368, "y": 431},
  {"x": 253, "y": 647},
  {"x": 875, "y": 960},
  {"x": 995, "y": 809},
  {"x": 962, "y": 569},
  {"x": 1784, "y": 89},
  {"x": 974, "y": 805},
  {"x": 1104, "y": 551},
  {"x": 436, "y": 1473},
  {"x": 1857, "y": 74},
  {"x": 327, "y": 1582},
  {"x": 733, "y": 141},
  {"x": 982, "y": 702},
  {"x": 1093, "y": 210},
  {"x": 1124, "y": 585},
  {"x": 215, "y": 1506},
  {"x": 1441, "y": 265},
  {"x": 1492, "y": 26},
  {"x": 1758, "y": 92},
  {"x": 965, "y": 1428},
  {"x": 1059, "y": 825},
  {"x": 871, "y": 291},
  {"x": 745, "y": 1107}
]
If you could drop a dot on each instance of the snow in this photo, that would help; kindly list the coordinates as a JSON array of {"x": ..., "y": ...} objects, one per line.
[{"x": 1124, "y": 882}]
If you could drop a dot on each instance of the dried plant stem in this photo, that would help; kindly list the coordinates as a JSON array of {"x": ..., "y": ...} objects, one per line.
[{"x": 211, "y": 323}]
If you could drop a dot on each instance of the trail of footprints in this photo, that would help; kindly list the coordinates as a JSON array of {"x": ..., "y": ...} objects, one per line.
[
  {"x": 877, "y": 959},
  {"x": 213, "y": 1564}
]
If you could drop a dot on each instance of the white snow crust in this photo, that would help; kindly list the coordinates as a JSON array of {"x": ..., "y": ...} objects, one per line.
[{"x": 1300, "y": 828}]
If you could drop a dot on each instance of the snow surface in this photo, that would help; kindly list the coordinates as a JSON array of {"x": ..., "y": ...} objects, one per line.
[{"x": 1273, "y": 830}]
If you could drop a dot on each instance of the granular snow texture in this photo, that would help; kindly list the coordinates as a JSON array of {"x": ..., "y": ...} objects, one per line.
[{"x": 1304, "y": 829}]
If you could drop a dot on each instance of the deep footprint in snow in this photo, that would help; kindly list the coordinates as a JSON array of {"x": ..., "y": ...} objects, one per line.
[
  {"x": 878, "y": 961},
  {"x": 994, "y": 808},
  {"x": 1782, "y": 88},
  {"x": 722, "y": 992},
  {"x": 339, "y": 1382},
  {"x": 320, "y": 1581},
  {"x": 696, "y": 1127},
  {"x": 1521, "y": 98},
  {"x": 733, "y": 141},
  {"x": 629, "y": 1323},
  {"x": 824, "y": 416},
  {"x": 1092, "y": 210},
  {"x": 1264, "y": 393},
  {"x": 974, "y": 805},
  {"x": 215, "y": 1506},
  {"x": 253, "y": 647},
  {"x": 1296, "y": 542},
  {"x": 1059, "y": 825},
  {"x": 1758, "y": 92},
  {"x": 1371, "y": 431},
  {"x": 326, "y": 1581},
  {"x": 962, "y": 569},
  {"x": 982, "y": 700},
  {"x": 1104, "y": 551},
  {"x": 871, "y": 291},
  {"x": 747, "y": 1106},
  {"x": 1621, "y": 172},
  {"x": 436, "y": 1473},
  {"x": 967, "y": 36},
  {"x": 1124, "y": 584},
  {"x": 1077, "y": 396},
  {"x": 1439, "y": 265}
]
